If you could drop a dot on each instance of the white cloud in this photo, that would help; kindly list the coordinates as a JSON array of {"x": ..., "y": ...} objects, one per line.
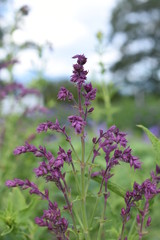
[
  {"x": 70, "y": 25},
  {"x": 54, "y": 21}
]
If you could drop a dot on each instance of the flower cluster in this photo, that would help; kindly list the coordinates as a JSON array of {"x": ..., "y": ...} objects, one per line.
[
  {"x": 26, "y": 148},
  {"x": 77, "y": 123},
  {"x": 8, "y": 63},
  {"x": 17, "y": 89},
  {"x": 43, "y": 127},
  {"x": 52, "y": 217},
  {"x": 89, "y": 94},
  {"x": 53, "y": 221},
  {"x": 26, "y": 184},
  {"x": 79, "y": 74},
  {"x": 112, "y": 144},
  {"x": 147, "y": 191},
  {"x": 64, "y": 94},
  {"x": 50, "y": 169}
]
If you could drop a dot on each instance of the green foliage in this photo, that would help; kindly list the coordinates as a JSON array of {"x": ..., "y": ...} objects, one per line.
[
  {"x": 155, "y": 142},
  {"x": 131, "y": 111},
  {"x": 21, "y": 218},
  {"x": 113, "y": 187},
  {"x": 15, "y": 218},
  {"x": 17, "y": 211}
]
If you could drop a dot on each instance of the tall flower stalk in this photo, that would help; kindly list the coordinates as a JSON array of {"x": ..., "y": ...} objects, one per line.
[{"x": 110, "y": 144}]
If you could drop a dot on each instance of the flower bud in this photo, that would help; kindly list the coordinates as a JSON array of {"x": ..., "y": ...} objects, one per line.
[{"x": 148, "y": 221}]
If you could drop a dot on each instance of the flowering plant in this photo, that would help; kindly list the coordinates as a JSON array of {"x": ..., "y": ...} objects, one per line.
[{"x": 111, "y": 145}]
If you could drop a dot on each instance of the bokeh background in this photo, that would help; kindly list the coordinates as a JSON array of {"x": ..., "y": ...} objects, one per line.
[{"x": 121, "y": 39}]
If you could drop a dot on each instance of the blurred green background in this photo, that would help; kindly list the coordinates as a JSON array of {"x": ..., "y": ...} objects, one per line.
[{"x": 129, "y": 98}]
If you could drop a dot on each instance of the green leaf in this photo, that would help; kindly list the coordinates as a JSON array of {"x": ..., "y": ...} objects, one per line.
[
  {"x": 78, "y": 198},
  {"x": 2, "y": 215},
  {"x": 16, "y": 201},
  {"x": 113, "y": 232},
  {"x": 115, "y": 188},
  {"x": 7, "y": 230},
  {"x": 71, "y": 230},
  {"x": 155, "y": 142},
  {"x": 81, "y": 236},
  {"x": 26, "y": 212}
]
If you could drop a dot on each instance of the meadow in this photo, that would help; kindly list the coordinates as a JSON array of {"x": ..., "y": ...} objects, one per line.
[{"x": 19, "y": 209}]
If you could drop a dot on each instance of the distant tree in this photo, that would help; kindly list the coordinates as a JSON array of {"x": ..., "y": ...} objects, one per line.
[{"x": 136, "y": 29}]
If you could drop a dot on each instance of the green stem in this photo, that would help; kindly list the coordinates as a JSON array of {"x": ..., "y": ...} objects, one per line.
[
  {"x": 132, "y": 228},
  {"x": 89, "y": 156},
  {"x": 122, "y": 231},
  {"x": 99, "y": 236},
  {"x": 74, "y": 171},
  {"x": 107, "y": 102},
  {"x": 83, "y": 165},
  {"x": 90, "y": 168},
  {"x": 145, "y": 211},
  {"x": 83, "y": 203},
  {"x": 77, "y": 216},
  {"x": 64, "y": 190},
  {"x": 77, "y": 182},
  {"x": 74, "y": 210},
  {"x": 93, "y": 148},
  {"x": 95, "y": 207},
  {"x": 104, "y": 211},
  {"x": 74, "y": 151},
  {"x": 67, "y": 137}
]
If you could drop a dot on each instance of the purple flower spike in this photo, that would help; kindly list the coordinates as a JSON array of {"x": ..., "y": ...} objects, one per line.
[
  {"x": 81, "y": 59},
  {"x": 52, "y": 219},
  {"x": 147, "y": 190},
  {"x": 26, "y": 148},
  {"x": 64, "y": 93},
  {"x": 79, "y": 74},
  {"x": 90, "y": 94},
  {"x": 14, "y": 183},
  {"x": 40, "y": 222},
  {"x": 43, "y": 127},
  {"x": 41, "y": 170},
  {"x": 77, "y": 123},
  {"x": 128, "y": 158},
  {"x": 63, "y": 156}
]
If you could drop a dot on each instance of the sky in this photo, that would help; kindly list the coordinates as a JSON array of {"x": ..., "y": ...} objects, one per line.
[{"x": 70, "y": 26}]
